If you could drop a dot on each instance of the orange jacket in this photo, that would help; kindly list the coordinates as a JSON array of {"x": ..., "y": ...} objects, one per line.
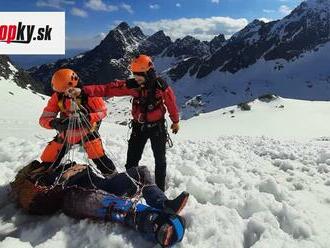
[{"x": 95, "y": 105}]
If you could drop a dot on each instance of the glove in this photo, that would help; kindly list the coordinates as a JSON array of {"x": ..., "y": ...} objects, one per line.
[
  {"x": 131, "y": 83},
  {"x": 59, "y": 124},
  {"x": 175, "y": 128}
]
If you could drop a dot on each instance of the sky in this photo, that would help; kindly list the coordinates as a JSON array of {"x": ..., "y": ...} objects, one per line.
[{"x": 88, "y": 21}]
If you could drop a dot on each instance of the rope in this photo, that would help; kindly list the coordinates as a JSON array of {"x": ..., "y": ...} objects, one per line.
[
  {"x": 80, "y": 126},
  {"x": 128, "y": 131},
  {"x": 112, "y": 155},
  {"x": 66, "y": 158},
  {"x": 79, "y": 120},
  {"x": 169, "y": 140},
  {"x": 86, "y": 121}
]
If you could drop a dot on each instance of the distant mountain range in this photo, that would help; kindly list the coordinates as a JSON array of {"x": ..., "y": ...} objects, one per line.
[
  {"x": 286, "y": 57},
  {"x": 27, "y": 61}
]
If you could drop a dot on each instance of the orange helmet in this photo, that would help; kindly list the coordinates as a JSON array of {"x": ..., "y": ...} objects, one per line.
[
  {"x": 63, "y": 79},
  {"x": 141, "y": 63}
]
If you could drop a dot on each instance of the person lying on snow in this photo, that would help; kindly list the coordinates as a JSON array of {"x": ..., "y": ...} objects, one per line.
[
  {"x": 151, "y": 97},
  {"x": 120, "y": 184},
  {"x": 82, "y": 130},
  {"x": 134, "y": 181}
]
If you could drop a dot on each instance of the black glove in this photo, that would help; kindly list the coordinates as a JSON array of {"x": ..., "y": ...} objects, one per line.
[
  {"x": 59, "y": 124},
  {"x": 131, "y": 83}
]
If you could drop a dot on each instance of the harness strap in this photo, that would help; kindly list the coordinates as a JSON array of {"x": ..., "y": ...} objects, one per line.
[{"x": 61, "y": 103}]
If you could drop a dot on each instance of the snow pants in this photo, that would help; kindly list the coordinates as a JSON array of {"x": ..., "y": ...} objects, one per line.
[
  {"x": 57, "y": 148},
  {"x": 157, "y": 134}
]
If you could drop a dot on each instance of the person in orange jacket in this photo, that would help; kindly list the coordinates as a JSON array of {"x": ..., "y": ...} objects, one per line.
[
  {"x": 152, "y": 96},
  {"x": 81, "y": 129}
]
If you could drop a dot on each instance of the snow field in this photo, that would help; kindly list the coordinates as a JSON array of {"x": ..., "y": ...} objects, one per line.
[{"x": 245, "y": 192}]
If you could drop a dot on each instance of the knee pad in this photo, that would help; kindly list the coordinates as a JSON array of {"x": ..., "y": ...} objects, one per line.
[
  {"x": 51, "y": 152},
  {"x": 94, "y": 148}
]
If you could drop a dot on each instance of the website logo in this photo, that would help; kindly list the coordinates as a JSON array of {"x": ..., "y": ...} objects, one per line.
[{"x": 32, "y": 32}]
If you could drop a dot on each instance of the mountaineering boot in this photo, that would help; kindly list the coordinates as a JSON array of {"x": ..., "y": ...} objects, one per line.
[
  {"x": 171, "y": 231},
  {"x": 177, "y": 204},
  {"x": 165, "y": 235}
]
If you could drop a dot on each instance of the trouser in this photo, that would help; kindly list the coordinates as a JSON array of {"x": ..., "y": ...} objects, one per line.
[
  {"x": 157, "y": 134},
  {"x": 57, "y": 149},
  {"x": 124, "y": 184}
]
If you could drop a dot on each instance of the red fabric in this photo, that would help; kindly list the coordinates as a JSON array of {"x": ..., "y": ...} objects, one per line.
[
  {"x": 50, "y": 112},
  {"x": 96, "y": 106},
  {"x": 118, "y": 88},
  {"x": 98, "y": 109},
  {"x": 94, "y": 149},
  {"x": 51, "y": 152}
]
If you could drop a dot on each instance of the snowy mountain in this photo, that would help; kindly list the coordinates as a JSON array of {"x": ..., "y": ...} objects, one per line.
[
  {"x": 285, "y": 57},
  {"x": 307, "y": 27},
  {"x": 19, "y": 76}
]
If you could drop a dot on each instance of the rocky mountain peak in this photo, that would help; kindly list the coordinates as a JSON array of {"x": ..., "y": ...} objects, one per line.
[
  {"x": 217, "y": 42},
  {"x": 155, "y": 44},
  {"x": 137, "y": 32},
  {"x": 188, "y": 46},
  {"x": 123, "y": 26}
]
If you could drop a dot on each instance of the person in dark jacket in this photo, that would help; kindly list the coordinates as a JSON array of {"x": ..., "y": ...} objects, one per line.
[
  {"x": 136, "y": 182},
  {"x": 152, "y": 96},
  {"x": 125, "y": 184}
]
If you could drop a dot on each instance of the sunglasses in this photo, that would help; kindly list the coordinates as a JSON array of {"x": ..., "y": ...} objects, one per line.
[{"x": 139, "y": 74}]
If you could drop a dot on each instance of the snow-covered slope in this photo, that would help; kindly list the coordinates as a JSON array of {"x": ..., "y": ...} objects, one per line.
[
  {"x": 307, "y": 78},
  {"x": 281, "y": 118},
  {"x": 19, "y": 108},
  {"x": 246, "y": 191}
]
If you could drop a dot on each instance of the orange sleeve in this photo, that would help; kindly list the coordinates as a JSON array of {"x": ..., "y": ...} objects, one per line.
[
  {"x": 50, "y": 112},
  {"x": 98, "y": 109}
]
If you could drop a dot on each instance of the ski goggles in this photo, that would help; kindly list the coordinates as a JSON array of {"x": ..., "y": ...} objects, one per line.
[{"x": 143, "y": 74}]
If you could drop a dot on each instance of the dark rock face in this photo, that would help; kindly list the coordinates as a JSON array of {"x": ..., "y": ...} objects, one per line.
[
  {"x": 244, "y": 106},
  {"x": 305, "y": 28},
  {"x": 20, "y": 77},
  {"x": 267, "y": 98},
  {"x": 155, "y": 44},
  {"x": 110, "y": 59},
  {"x": 182, "y": 67},
  {"x": 188, "y": 47},
  {"x": 106, "y": 62},
  {"x": 217, "y": 42},
  {"x": 5, "y": 71}
]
